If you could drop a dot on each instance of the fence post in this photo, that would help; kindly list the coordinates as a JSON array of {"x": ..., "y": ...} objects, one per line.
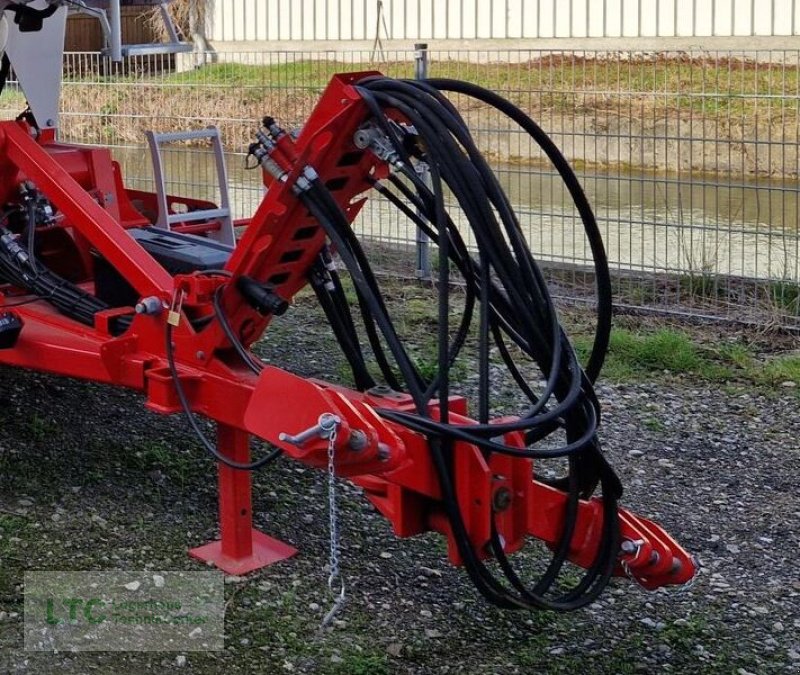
[{"x": 423, "y": 248}]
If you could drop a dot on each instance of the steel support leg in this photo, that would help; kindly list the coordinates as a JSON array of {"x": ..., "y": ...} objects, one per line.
[{"x": 241, "y": 548}]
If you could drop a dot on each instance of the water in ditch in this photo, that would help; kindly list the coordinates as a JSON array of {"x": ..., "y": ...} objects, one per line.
[{"x": 650, "y": 222}]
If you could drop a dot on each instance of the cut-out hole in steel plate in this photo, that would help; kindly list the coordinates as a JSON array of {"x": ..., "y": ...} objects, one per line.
[
  {"x": 305, "y": 233},
  {"x": 292, "y": 256},
  {"x": 350, "y": 158},
  {"x": 278, "y": 279},
  {"x": 337, "y": 183}
]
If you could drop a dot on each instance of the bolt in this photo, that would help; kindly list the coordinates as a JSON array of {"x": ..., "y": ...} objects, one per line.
[
  {"x": 150, "y": 305},
  {"x": 628, "y": 547},
  {"x": 358, "y": 440},
  {"x": 501, "y": 499},
  {"x": 201, "y": 355}
]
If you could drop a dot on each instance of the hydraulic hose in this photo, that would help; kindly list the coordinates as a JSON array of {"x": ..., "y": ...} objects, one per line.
[{"x": 507, "y": 286}]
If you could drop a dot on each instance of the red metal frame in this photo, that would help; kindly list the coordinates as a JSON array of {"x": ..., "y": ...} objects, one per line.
[{"x": 279, "y": 245}]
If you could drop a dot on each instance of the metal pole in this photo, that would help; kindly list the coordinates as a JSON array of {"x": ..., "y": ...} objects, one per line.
[
  {"x": 115, "y": 18},
  {"x": 423, "y": 243}
]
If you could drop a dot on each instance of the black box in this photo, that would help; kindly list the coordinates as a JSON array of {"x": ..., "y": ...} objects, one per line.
[{"x": 177, "y": 253}]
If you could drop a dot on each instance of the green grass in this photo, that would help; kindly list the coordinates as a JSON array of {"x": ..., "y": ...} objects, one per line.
[
  {"x": 784, "y": 369},
  {"x": 631, "y": 353},
  {"x": 12, "y": 102},
  {"x": 41, "y": 428},
  {"x": 785, "y": 297},
  {"x": 654, "y": 424},
  {"x": 636, "y": 354},
  {"x": 362, "y": 663},
  {"x": 662, "y": 350},
  {"x": 11, "y": 525},
  {"x": 705, "y": 85},
  {"x": 311, "y": 73},
  {"x": 175, "y": 463},
  {"x": 685, "y": 634}
]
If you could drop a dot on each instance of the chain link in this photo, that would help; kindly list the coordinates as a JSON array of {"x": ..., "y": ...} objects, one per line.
[{"x": 333, "y": 514}]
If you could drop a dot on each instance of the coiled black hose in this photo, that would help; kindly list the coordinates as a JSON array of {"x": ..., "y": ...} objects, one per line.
[{"x": 514, "y": 305}]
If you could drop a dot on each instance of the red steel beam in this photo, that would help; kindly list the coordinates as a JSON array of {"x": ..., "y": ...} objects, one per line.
[{"x": 85, "y": 215}]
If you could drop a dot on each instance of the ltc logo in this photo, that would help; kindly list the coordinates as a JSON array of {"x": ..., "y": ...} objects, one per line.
[{"x": 74, "y": 609}]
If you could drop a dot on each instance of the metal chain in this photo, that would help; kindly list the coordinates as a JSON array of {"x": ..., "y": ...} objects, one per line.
[{"x": 333, "y": 514}]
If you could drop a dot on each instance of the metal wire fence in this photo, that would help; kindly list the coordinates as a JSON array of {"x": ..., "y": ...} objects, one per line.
[{"x": 691, "y": 160}]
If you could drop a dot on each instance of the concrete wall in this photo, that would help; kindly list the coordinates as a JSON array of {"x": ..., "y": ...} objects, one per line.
[{"x": 260, "y": 20}]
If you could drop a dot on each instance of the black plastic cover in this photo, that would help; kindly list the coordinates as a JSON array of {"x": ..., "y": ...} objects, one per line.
[{"x": 178, "y": 253}]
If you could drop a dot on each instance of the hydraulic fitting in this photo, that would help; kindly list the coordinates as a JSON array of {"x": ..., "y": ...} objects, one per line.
[
  {"x": 371, "y": 137},
  {"x": 151, "y": 306},
  {"x": 266, "y": 162},
  {"x": 262, "y": 297}
]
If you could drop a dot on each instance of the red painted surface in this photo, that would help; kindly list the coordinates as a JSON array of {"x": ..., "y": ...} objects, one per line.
[{"x": 240, "y": 548}]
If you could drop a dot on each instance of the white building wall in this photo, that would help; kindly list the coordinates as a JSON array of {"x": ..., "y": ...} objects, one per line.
[{"x": 245, "y": 20}]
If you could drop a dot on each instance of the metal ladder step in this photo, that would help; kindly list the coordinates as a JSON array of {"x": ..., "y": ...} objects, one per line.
[{"x": 225, "y": 234}]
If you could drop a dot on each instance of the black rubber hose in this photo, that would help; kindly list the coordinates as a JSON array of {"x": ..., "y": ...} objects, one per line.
[
  {"x": 471, "y": 182},
  {"x": 503, "y": 265},
  {"x": 571, "y": 182},
  {"x": 552, "y": 367},
  {"x": 588, "y": 484},
  {"x": 345, "y": 333},
  {"x": 192, "y": 419}
]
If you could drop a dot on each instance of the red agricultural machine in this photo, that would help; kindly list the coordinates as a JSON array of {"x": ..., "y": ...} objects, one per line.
[{"x": 95, "y": 286}]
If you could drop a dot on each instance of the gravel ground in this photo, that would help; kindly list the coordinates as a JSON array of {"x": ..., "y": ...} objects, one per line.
[{"x": 89, "y": 480}]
